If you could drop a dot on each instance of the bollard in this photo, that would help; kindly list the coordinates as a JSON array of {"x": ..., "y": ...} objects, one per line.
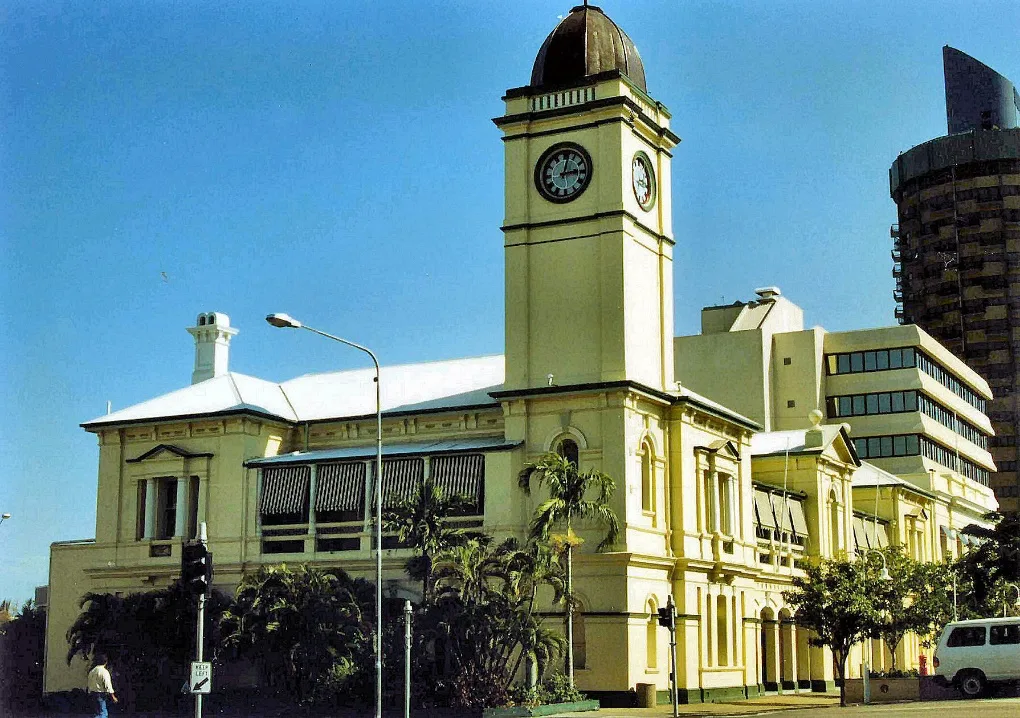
[{"x": 647, "y": 695}]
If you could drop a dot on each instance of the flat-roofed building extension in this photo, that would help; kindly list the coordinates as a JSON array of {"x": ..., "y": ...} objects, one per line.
[{"x": 912, "y": 408}]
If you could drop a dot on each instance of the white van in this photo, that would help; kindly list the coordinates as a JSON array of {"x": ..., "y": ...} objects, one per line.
[{"x": 974, "y": 653}]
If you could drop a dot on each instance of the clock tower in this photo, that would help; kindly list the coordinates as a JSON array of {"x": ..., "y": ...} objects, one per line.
[{"x": 587, "y": 230}]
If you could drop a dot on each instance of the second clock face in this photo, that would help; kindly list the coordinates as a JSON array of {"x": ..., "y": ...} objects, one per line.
[
  {"x": 563, "y": 172},
  {"x": 643, "y": 181}
]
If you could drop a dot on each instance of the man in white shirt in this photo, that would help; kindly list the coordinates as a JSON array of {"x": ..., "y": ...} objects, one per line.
[{"x": 100, "y": 686}]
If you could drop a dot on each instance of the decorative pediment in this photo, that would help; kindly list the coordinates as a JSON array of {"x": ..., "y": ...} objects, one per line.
[
  {"x": 844, "y": 448},
  {"x": 721, "y": 448},
  {"x": 157, "y": 452}
]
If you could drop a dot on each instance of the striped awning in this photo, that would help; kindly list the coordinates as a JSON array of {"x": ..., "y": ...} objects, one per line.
[
  {"x": 859, "y": 535},
  {"x": 284, "y": 490},
  {"x": 763, "y": 506},
  {"x": 401, "y": 478},
  {"x": 883, "y": 536},
  {"x": 340, "y": 487},
  {"x": 460, "y": 475},
  {"x": 799, "y": 520},
  {"x": 869, "y": 532}
]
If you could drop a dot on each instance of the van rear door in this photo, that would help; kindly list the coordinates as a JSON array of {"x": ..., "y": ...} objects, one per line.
[{"x": 1003, "y": 652}]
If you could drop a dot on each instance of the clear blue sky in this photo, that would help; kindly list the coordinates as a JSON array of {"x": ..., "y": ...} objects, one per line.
[{"x": 336, "y": 160}]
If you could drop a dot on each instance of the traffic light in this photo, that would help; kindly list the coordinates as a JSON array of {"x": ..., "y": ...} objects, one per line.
[
  {"x": 666, "y": 617},
  {"x": 196, "y": 568}
]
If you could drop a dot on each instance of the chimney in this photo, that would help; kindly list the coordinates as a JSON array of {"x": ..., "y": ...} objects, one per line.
[
  {"x": 768, "y": 294},
  {"x": 212, "y": 345}
]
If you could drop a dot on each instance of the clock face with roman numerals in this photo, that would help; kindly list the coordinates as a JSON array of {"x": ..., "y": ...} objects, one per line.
[
  {"x": 563, "y": 172},
  {"x": 643, "y": 180}
]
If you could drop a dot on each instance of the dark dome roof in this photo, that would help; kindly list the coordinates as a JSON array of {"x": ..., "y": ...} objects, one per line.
[{"x": 586, "y": 42}]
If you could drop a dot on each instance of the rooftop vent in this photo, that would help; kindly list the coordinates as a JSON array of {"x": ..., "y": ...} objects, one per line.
[{"x": 768, "y": 293}]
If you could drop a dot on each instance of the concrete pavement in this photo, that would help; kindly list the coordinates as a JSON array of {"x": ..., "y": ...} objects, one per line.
[{"x": 752, "y": 706}]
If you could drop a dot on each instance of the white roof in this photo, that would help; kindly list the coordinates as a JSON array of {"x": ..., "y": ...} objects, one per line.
[
  {"x": 403, "y": 388},
  {"x": 794, "y": 441},
  {"x": 428, "y": 386},
  {"x": 224, "y": 393},
  {"x": 871, "y": 475},
  {"x": 686, "y": 393}
]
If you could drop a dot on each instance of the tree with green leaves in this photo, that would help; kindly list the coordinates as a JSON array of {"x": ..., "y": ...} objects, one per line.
[
  {"x": 149, "y": 637},
  {"x": 421, "y": 522},
  {"x": 834, "y": 598},
  {"x": 893, "y": 599},
  {"x": 568, "y": 503},
  {"x": 931, "y": 603},
  {"x": 309, "y": 631},
  {"x": 483, "y": 620},
  {"x": 995, "y": 562},
  {"x": 22, "y": 642}
]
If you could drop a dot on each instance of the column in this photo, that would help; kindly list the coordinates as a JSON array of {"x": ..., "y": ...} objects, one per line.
[
  {"x": 313, "y": 476},
  {"x": 710, "y": 629},
  {"x": 736, "y": 628},
  {"x": 370, "y": 479},
  {"x": 731, "y": 485},
  {"x": 773, "y": 676},
  {"x": 203, "y": 496},
  {"x": 789, "y": 656},
  {"x": 702, "y": 501},
  {"x": 714, "y": 500},
  {"x": 151, "y": 489},
  {"x": 258, "y": 503},
  {"x": 803, "y": 657},
  {"x": 181, "y": 517},
  {"x": 822, "y": 673}
]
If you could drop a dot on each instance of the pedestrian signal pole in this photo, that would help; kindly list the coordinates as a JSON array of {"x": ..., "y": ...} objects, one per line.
[
  {"x": 196, "y": 577},
  {"x": 407, "y": 659},
  {"x": 667, "y": 619}
]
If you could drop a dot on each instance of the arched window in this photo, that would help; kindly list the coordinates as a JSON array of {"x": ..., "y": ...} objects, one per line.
[
  {"x": 647, "y": 477},
  {"x": 651, "y": 633},
  {"x": 567, "y": 448}
]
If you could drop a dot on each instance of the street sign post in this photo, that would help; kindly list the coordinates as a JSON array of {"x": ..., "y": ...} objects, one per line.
[{"x": 201, "y": 677}]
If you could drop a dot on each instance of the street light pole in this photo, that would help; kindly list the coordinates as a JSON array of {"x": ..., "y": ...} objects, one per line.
[
  {"x": 285, "y": 320},
  {"x": 4, "y": 516}
]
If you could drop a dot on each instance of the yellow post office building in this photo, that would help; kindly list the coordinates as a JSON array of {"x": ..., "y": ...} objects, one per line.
[{"x": 722, "y": 493}]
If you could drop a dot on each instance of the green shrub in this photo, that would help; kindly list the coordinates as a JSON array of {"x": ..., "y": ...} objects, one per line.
[{"x": 554, "y": 689}]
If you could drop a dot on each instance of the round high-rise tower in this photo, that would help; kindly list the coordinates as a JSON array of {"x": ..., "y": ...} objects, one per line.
[{"x": 956, "y": 247}]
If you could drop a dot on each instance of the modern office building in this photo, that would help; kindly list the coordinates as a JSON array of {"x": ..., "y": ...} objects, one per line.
[
  {"x": 911, "y": 407},
  {"x": 956, "y": 244}
]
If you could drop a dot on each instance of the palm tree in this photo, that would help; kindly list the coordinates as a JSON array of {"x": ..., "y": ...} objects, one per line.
[
  {"x": 97, "y": 628},
  {"x": 483, "y": 614},
  {"x": 567, "y": 503},
  {"x": 302, "y": 625},
  {"x": 420, "y": 522}
]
